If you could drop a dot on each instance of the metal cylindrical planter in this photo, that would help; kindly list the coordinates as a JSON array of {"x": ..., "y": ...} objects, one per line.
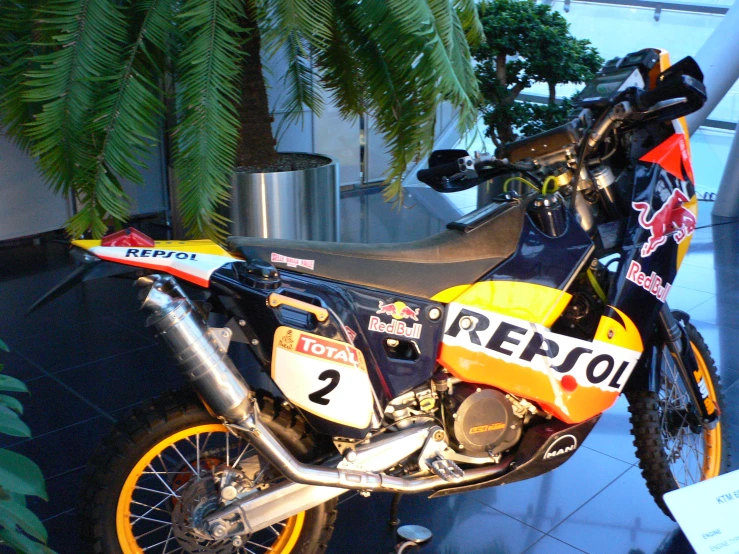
[{"x": 297, "y": 205}]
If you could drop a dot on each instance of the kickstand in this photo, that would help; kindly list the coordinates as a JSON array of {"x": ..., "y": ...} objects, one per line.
[{"x": 394, "y": 506}]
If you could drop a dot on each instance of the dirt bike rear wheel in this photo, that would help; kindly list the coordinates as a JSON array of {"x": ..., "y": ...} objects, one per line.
[
  {"x": 141, "y": 482},
  {"x": 674, "y": 452}
]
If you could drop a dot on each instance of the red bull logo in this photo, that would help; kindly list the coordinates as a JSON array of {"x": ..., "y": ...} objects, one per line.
[
  {"x": 672, "y": 219},
  {"x": 399, "y": 310},
  {"x": 398, "y": 328}
]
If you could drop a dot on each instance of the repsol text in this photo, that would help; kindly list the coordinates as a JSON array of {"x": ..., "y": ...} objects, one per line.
[
  {"x": 164, "y": 254},
  {"x": 522, "y": 344}
]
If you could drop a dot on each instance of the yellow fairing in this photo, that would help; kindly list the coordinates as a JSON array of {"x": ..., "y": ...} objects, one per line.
[
  {"x": 528, "y": 301},
  {"x": 682, "y": 246},
  {"x": 624, "y": 333}
]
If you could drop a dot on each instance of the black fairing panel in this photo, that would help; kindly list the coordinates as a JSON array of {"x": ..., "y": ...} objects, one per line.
[
  {"x": 659, "y": 190},
  {"x": 545, "y": 260},
  {"x": 359, "y": 309},
  {"x": 543, "y": 448}
]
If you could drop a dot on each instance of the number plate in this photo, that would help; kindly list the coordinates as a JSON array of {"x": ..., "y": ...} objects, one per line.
[{"x": 325, "y": 377}]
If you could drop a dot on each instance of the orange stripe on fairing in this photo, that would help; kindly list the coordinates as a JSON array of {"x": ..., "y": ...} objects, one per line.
[
  {"x": 205, "y": 283},
  {"x": 581, "y": 404}
]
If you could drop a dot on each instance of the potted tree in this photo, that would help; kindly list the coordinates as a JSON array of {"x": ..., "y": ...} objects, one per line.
[
  {"x": 81, "y": 82},
  {"x": 526, "y": 43}
]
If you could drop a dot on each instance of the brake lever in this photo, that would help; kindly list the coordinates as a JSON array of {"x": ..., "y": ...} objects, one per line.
[{"x": 666, "y": 104}]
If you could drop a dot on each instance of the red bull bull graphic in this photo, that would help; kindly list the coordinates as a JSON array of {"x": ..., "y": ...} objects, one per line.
[
  {"x": 671, "y": 220},
  {"x": 399, "y": 310}
]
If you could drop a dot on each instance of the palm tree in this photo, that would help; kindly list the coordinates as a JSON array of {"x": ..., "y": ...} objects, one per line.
[{"x": 81, "y": 86}]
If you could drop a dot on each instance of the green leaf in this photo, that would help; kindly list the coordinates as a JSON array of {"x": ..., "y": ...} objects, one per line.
[
  {"x": 208, "y": 130},
  {"x": 12, "y": 403},
  {"x": 81, "y": 86},
  {"x": 21, "y": 475},
  {"x": 12, "y": 514},
  {"x": 11, "y": 384},
  {"x": 23, "y": 543},
  {"x": 11, "y": 424},
  {"x": 4, "y": 346}
]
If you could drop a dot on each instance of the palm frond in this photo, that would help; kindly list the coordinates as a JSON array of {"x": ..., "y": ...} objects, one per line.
[
  {"x": 412, "y": 60},
  {"x": 124, "y": 122},
  {"x": 467, "y": 13},
  {"x": 207, "y": 130},
  {"x": 340, "y": 71},
  {"x": 86, "y": 39},
  {"x": 310, "y": 18},
  {"x": 299, "y": 81},
  {"x": 292, "y": 28},
  {"x": 17, "y": 27}
]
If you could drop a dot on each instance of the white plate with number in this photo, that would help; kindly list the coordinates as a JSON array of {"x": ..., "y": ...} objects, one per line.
[{"x": 325, "y": 377}]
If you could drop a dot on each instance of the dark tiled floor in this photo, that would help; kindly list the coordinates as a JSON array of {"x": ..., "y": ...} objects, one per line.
[{"x": 87, "y": 358}]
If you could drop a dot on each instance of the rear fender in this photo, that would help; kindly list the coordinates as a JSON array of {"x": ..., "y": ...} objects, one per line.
[
  {"x": 193, "y": 261},
  {"x": 123, "y": 252}
]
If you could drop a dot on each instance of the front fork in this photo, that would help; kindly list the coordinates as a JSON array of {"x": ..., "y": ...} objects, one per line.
[{"x": 678, "y": 343}]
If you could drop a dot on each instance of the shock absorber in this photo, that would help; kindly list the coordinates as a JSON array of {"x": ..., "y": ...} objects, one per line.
[{"x": 678, "y": 343}]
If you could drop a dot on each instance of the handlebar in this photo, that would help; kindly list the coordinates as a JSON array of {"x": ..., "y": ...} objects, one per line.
[
  {"x": 679, "y": 86},
  {"x": 438, "y": 173}
]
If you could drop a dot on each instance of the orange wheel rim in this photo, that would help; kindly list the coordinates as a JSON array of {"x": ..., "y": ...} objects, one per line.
[
  {"x": 711, "y": 437},
  {"x": 284, "y": 544}
]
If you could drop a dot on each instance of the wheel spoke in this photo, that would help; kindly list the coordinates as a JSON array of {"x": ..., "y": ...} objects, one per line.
[
  {"x": 140, "y": 488},
  {"x": 165, "y": 484},
  {"x": 152, "y": 508},
  {"x": 192, "y": 469},
  {"x": 144, "y": 518},
  {"x": 266, "y": 548},
  {"x": 149, "y": 532}
]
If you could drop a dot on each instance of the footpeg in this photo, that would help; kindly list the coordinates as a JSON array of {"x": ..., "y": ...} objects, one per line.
[{"x": 446, "y": 469}]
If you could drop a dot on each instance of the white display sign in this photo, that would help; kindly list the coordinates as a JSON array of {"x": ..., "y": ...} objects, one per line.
[{"x": 708, "y": 513}]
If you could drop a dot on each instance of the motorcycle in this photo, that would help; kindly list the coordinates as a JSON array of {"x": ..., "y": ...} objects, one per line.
[{"x": 480, "y": 356}]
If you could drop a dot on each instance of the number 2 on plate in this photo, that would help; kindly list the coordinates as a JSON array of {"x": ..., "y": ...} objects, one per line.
[{"x": 319, "y": 397}]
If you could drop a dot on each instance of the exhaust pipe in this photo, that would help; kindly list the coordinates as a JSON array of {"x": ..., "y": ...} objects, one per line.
[
  {"x": 203, "y": 360},
  {"x": 207, "y": 367}
]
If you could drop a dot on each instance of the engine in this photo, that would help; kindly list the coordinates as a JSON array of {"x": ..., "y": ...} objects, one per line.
[{"x": 481, "y": 421}]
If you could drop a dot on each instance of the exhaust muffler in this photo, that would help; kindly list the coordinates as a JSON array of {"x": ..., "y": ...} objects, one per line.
[{"x": 202, "y": 358}]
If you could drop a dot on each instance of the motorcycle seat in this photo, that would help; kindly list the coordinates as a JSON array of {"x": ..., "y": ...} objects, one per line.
[{"x": 460, "y": 255}]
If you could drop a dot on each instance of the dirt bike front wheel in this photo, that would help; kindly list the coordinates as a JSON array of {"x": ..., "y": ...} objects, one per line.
[
  {"x": 673, "y": 449},
  {"x": 155, "y": 475}
]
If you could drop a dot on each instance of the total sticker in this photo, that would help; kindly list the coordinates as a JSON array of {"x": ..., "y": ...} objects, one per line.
[{"x": 323, "y": 376}]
